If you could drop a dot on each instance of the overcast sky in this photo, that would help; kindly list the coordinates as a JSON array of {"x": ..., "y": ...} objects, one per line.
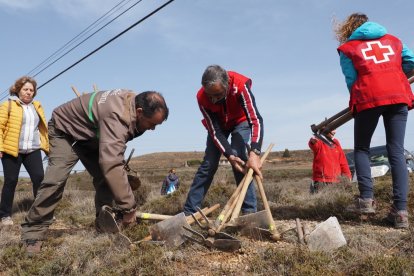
[{"x": 287, "y": 47}]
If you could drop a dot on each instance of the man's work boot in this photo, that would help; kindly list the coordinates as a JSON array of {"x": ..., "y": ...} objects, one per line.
[{"x": 33, "y": 247}]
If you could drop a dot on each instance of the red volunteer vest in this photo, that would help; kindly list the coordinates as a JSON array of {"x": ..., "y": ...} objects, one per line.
[
  {"x": 232, "y": 114},
  {"x": 380, "y": 79}
]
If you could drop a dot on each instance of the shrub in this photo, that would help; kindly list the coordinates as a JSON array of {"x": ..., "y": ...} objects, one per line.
[
  {"x": 286, "y": 154},
  {"x": 194, "y": 162}
]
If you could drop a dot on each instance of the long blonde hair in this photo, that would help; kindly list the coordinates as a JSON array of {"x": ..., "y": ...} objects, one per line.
[{"x": 345, "y": 29}]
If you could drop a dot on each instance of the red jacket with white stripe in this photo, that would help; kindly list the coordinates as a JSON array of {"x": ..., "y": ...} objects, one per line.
[
  {"x": 328, "y": 163},
  {"x": 238, "y": 107}
]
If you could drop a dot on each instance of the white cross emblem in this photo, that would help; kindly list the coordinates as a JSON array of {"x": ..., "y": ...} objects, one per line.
[{"x": 377, "y": 52}]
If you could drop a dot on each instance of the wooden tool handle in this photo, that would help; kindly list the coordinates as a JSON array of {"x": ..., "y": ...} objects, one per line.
[
  {"x": 150, "y": 216},
  {"x": 272, "y": 225},
  {"x": 222, "y": 218},
  {"x": 246, "y": 183},
  {"x": 227, "y": 215},
  {"x": 300, "y": 231},
  {"x": 265, "y": 203},
  {"x": 75, "y": 91},
  {"x": 243, "y": 191}
]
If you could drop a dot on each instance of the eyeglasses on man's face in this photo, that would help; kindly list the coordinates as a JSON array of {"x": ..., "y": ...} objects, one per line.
[{"x": 215, "y": 92}]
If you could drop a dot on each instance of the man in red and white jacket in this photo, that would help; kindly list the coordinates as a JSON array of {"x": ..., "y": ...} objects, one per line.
[
  {"x": 329, "y": 163},
  {"x": 229, "y": 108}
]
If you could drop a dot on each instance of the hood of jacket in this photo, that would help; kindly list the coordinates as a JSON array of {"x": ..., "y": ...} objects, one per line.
[
  {"x": 15, "y": 98},
  {"x": 368, "y": 30},
  {"x": 172, "y": 177}
]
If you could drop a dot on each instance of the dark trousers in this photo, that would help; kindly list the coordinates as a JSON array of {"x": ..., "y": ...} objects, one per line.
[
  {"x": 395, "y": 120},
  {"x": 205, "y": 173},
  {"x": 11, "y": 167},
  {"x": 63, "y": 156}
]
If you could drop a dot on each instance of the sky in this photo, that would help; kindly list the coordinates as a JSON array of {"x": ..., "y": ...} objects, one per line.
[{"x": 287, "y": 48}]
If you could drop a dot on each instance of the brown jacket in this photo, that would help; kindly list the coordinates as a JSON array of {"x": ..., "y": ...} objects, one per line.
[{"x": 110, "y": 118}]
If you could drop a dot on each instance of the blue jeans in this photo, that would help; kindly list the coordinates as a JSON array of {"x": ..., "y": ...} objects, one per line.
[
  {"x": 395, "y": 120},
  {"x": 204, "y": 176}
]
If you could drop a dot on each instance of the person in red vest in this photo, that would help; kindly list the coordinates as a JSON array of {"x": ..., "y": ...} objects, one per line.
[
  {"x": 329, "y": 163},
  {"x": 229, "y": 109},
  {"x": 376, "y": 65}
]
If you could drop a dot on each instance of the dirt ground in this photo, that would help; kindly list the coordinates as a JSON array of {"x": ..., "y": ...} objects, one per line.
[{"x": 73, "y": 247}]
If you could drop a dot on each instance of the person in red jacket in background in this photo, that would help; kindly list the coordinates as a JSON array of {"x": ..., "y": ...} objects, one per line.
[{"x": 329, "y": 163}]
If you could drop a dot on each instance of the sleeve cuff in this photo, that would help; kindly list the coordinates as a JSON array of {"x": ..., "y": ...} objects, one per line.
[
  {"x": 227, "y": 153},
  {"x": 255, "y": 146},
  {"x": 127, "y": 211}
]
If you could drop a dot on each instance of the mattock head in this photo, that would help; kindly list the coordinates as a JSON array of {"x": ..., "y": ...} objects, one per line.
[
  {"x": 202, "y": 214},
  {"x": 208, "y": 225}
]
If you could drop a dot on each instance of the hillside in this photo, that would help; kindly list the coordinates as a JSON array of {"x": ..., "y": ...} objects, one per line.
[
  {"x": 178, "y": 159},
  {"x": 74, "y": 248}
]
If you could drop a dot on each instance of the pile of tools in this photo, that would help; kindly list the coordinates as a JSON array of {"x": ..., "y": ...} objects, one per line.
[
  {"x": 175, "y": 230},
  {"x": 259, "y": 225}
]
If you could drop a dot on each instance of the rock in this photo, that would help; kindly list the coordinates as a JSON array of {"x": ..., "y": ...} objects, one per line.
[{"x": 326, "y": 236}]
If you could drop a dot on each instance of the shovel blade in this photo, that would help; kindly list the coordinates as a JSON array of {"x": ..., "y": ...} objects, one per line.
[
  {"x": 254, "y": 220},
  {"x": 106, "y": 221},
  {"x": 255, "y": 225},
  {"x": 170, "y": 230}
]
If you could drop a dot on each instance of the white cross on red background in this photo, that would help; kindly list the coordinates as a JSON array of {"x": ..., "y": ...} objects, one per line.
[{"x": 377, "y": 52}]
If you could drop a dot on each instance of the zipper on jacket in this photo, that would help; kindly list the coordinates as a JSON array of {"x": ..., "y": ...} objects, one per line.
[
  {"x": 26, "y": 138},
  {"x": 226, "y": 115}
]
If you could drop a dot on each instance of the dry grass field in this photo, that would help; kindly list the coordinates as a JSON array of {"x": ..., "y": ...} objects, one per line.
[{"x": 74, "y": 248}]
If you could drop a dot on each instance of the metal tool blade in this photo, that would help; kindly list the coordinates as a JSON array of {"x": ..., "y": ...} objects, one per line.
[
  {"x": 170, "y": 230},
  {"x": 106, "y": 221}
]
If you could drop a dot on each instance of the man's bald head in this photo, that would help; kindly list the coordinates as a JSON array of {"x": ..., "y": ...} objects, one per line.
[{"x": 151, "y": 102}]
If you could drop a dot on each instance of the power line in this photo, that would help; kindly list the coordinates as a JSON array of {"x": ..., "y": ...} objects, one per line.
[
  {"x": 73, "y": 48},
  {"x": 109, "y": 41},
  {"x": 68, "y": 43},
  {"x": 77, "y": 37},
  {"x": 91, "y": 26}
]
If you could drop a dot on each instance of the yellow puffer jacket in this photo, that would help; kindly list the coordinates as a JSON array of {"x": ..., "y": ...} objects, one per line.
[{"x": 10, "y": 125}]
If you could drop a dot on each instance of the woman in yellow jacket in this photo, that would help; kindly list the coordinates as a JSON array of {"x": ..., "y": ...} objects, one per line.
[{"x": 23, "y": 133}]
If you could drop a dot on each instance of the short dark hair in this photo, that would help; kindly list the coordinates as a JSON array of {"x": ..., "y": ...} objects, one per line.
[{"x": 151, "y": 102}]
